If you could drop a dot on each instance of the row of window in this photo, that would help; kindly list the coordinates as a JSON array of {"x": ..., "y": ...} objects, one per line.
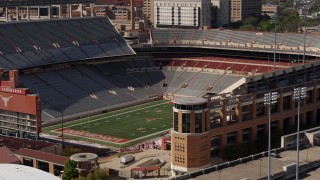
[
  {"x": 186, "y": 122},
  {"x": 179, "y": 158},
  {"x": 261, "y": 129},
  {"x": 191, "y": 107}
]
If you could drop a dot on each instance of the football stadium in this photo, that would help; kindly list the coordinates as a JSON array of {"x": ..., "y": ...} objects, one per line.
[{"x": 78, "y": 78}]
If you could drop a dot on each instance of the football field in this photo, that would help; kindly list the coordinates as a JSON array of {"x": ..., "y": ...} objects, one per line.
[{"x": 122, "y": 127}]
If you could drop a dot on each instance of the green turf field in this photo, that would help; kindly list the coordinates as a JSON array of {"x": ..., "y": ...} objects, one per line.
[{"x": 134, "y": 123}]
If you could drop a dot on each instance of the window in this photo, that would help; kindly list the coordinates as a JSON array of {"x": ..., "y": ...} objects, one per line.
[
  {"x": 198, "y": 122},
  {"x": 309, "y": 97},
  {"x": 231, "y": 138},
  {"x": 286, "y": 102},
  {"x": 260, "y": 109},
  {"x": 274, "y": 108},
  {"x": 185, "y": 123},
  {"x": 175, "y": 122}
]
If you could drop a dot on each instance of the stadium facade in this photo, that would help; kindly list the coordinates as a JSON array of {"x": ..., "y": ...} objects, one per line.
[{"x": 20, "y": 110}]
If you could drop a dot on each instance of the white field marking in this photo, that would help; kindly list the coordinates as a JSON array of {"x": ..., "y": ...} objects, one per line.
[
  {"x": 107, "y": 121},
  {"x": 116, "y": 115},
  {"x": 48, "y": 114},
  {"x": 96, "y": 124},
  {"x": 146, "y": 136},
  {"x": 143, "y": 131},
  {"x": 124, "y": 142},
  {"x": 133, "y": 134}
]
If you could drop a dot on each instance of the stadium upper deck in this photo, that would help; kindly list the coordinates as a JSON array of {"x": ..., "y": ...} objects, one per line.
[
  {"x": 237, "y": 40},
  {"x": 37, "y": 43}
]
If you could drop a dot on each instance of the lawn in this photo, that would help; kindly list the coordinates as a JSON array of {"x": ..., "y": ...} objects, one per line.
[{"x": 131, "y": 124}]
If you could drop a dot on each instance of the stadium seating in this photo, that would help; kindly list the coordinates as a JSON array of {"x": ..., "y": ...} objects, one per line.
[
  {"x": 239, "y": 39},
  {"x": 25, "y": 45}
]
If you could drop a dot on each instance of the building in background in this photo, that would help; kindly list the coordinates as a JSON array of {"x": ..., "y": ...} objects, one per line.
[
  {"x": 241, "y": 9},
  {"x": 270, "y": 9},
  {"x": 220, "y": 12},
  {"x": 147, "y": 10},
  {"x": 182, "y": 13},
  {"x": 22, "y": 10}
]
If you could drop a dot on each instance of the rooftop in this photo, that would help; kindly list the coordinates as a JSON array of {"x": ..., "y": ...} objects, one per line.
[
  {"x": 56, "y": 159},
  {"x": 16, "y": 143},
  {"x": 14, "y": 171},
  {"x": 189, "y": 100},
  {"x": 83, "y": 157},
  {"x": 6, "y": 156}
]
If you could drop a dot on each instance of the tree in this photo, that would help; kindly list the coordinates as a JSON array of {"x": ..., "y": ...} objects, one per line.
[
  {"x": 251, "y": 21},
  {"x": 90, "y": 176},
  {"x": 248, "y": 27},
  {"x": 266, "y": 25},
  {"x": 82, "y": 178},
  {"x": 100, "y": 174},
  {"x": 70, "y": 170}
]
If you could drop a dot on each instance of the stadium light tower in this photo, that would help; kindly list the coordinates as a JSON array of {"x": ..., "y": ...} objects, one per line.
[
  {"x": 298, "y": 94},
  {"x": 274, "y": 21},
  {"x": 270, "y": 98},
  {"x": 304, "y": 40},
  {"x": 62, "y": 135}
]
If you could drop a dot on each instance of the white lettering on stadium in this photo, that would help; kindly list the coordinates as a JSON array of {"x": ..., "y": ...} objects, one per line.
[{"x": 11, "y": 90}]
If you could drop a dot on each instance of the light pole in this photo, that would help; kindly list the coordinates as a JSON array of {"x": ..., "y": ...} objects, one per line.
[
  {"x": 260, "y": 159},
  {"x": 304, "y": 40},
  {"x": 269, "y": 99},
  {"x": 62, "y": 138},
  {"x": 274, "y": 20},
  {"x": 298, "y": 94},
  {"x": 307, "y": 146}
]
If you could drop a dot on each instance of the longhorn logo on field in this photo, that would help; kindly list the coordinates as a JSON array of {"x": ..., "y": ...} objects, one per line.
[{"x": 5, "y": 100}]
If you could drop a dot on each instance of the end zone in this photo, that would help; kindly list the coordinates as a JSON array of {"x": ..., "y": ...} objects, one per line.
[{"x": 94, "y": 136}]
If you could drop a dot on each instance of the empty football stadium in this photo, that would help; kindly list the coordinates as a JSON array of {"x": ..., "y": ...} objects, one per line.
[{"x": 89, "y": 80}]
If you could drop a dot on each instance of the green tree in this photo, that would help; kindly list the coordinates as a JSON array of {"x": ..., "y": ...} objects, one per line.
[
  {"x": 82, "y": 178},
  {"x": 248, "y": 27},
  {"x": 266, "y": 25},
  {"x": 90, "y": 176},
  {"x": 289, "y": 21},
  {"x": 70, "y": 170},
  {"x": 100, "y": 174},
  {"x": 251, "y": 21}
]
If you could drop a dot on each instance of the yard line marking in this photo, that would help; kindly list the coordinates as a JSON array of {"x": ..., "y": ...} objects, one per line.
[
  {"x": 48, "y": 114},
  {"x": 117, "y": 114}
]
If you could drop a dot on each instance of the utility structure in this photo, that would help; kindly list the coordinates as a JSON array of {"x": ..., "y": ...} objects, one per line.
[
  {"x": 298, "y": 94},
  {"x": 269, "y": 99}
]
